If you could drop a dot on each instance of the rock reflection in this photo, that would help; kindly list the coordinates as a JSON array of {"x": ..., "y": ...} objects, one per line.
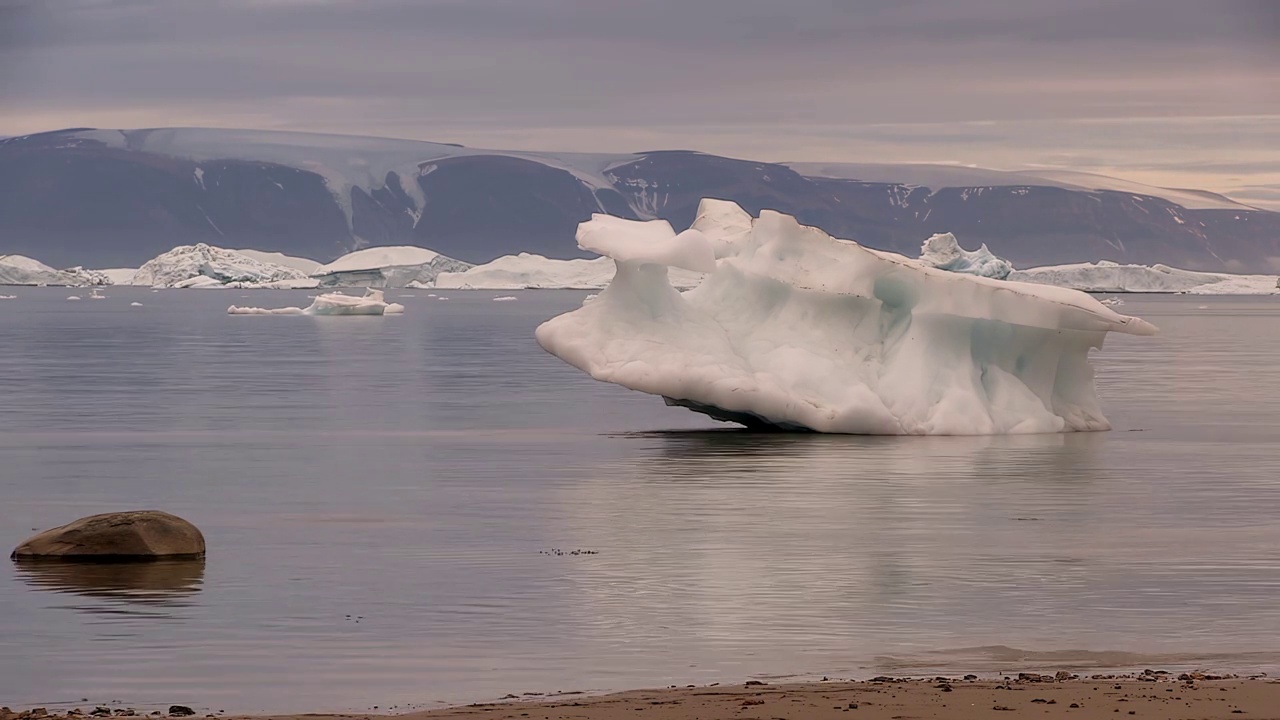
[{"x": 147, "y": 588}]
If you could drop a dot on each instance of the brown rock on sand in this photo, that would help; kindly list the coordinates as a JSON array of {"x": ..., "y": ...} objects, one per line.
[{"x": 137, "y": 535}]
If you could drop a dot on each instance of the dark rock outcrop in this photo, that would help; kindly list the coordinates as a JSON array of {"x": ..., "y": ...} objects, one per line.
[{"x": 134, "y": 536}]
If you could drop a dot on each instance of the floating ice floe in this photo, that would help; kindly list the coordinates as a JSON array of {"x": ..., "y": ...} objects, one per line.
[
  {"x": 73, "y": 297},
  {"x": 96, "y": 294},
  {"x": 135, "y": 304},
  {"x": 372, "y": 303},
  {"x": 387, "y": 267},
  {"x": 1112, "y": 302},
  {"x": 528, "y": 271},
  {"x": 504, "y": 298},
  {"x": 943, "y": 251},
  {"x": 8, "y": 297},
  {"x": 795, "y": 329}
]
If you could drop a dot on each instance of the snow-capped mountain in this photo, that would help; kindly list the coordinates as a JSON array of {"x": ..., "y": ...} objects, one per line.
[{"x": 117, "y": 198}]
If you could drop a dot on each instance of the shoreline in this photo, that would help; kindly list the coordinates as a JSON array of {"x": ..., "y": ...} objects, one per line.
[{"x": 1151, "y": 693}]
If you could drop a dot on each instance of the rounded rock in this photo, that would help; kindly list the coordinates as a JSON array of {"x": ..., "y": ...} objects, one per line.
[{"x": 134, "y": 536}]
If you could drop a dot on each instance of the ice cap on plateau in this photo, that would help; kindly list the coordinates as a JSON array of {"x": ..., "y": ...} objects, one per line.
[{"x": 793, "y": 328}]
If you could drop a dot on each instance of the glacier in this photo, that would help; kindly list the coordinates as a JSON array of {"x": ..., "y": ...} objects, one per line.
[
  {"x": 797, "y": 330},
  {"x": 372, "y": 303},
  {"x": 204, "y": 265},
  {"x": 528, "y": 271},
  {"x": 394, "y": 266},
  {"x": 943, "y": 251},
  {"x": 1109, "y": 277}
]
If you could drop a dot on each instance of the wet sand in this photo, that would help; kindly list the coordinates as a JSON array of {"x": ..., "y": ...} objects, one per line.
[
  {"x": 1152, "y": 695},
  {"x": 1158, "y": 697}
]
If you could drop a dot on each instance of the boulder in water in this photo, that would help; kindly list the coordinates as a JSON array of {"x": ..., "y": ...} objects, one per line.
[{"x": 134, "y": 536}]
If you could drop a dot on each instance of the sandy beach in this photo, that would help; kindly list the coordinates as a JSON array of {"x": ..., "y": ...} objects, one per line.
[
  {"x": 1156, "y": 696},
  {"x": 1151, "y": 695}
]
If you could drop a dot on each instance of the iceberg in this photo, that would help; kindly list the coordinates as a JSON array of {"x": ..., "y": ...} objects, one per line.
[
  {"x": 1105, "y": 276},
  {"x": 372, "y": 303},
  {"x": 387, "y": 267},
  {"x": 208, "y": 266},
  {"x": 301, "y": 264},
  {"x": 797, "y": 330},
  {"x": 22, "y": 270},
  {"x": 118, "y": 276},
  {"x": 943, "y": 251},
  {"x": 528, "y": 271}
]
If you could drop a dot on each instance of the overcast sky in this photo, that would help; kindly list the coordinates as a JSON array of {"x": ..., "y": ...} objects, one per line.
[{"x": 1173, "y": 92}]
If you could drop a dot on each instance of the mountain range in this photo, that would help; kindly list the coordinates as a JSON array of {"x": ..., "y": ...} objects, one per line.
[{"x": 107, "y": 198}]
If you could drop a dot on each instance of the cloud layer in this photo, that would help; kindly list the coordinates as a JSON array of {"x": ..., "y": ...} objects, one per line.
[{"x": 1160, "y": 90}]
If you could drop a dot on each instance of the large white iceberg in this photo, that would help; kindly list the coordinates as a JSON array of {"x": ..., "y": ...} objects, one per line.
[
  {"x": 387, "y": 267},
  {"x": 372, "y": 303},
  {"x": 795, "y": 329},
  {"x": 943, "y": 251},
  {"x": 1107, "y": 276},
  {"x": 208, "y": 266},
  {"x": 22, "y": 270},
  {"x": 529, "y": 271}
]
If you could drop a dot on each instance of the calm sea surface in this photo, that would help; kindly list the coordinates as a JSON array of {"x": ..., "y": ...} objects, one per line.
[{"x": 382, "y": 499}]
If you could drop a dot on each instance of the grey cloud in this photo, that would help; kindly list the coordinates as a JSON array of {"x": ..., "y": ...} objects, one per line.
[{"x": 777, "y": 79}]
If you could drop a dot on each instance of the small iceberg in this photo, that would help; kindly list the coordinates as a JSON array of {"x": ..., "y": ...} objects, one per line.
[
  {"x": 504, "y": 298},
  {"x": 943, "y": 251},
  {"x": 8, "y": 297},
  {"x": 372, "y": 303},
  {"x": 135, "y": 304},
  {"x": 73, "y": 297},
  {"x": 400, "y": 266},
  {"x": 97, "y": 295}
]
